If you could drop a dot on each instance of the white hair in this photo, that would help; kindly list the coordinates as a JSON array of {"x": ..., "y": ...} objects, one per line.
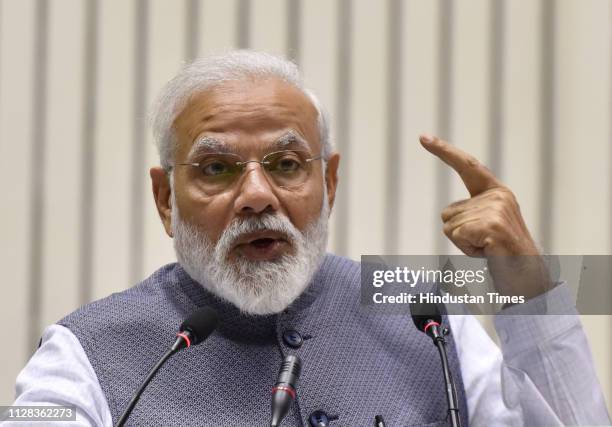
[{"x": 205, "y": 73}]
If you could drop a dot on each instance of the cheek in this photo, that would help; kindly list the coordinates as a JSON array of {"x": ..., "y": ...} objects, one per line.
[
  {"x": 304, "y": 208},
  {"x": 210, "y": 214}
]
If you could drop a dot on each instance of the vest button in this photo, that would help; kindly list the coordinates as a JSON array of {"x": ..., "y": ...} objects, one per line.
[
  {"x": 318, "y": 419},
  {"x": 293, "y": 338}
]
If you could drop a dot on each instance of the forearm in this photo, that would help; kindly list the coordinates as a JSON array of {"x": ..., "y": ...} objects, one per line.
[{"x": 547, "y": 363}]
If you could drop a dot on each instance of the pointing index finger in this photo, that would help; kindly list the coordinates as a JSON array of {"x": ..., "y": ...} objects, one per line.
[{"x": 476, "y": 177}]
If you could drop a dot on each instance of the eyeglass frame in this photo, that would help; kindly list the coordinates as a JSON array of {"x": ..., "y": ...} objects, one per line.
[{"x": 242, "y": 164}]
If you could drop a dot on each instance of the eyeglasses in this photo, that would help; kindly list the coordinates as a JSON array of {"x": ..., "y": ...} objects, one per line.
[{"x": 217, "y": 172}]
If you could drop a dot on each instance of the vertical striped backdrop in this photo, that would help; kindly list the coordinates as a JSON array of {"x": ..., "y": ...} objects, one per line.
[{"x": 524, "y": 85}]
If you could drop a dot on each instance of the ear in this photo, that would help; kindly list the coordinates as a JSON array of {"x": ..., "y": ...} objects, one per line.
[
  {"x": 162, "y": 193},
  {"x": 331, "y": 178}
]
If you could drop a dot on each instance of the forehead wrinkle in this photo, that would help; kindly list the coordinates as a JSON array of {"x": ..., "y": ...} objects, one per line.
[
  {"x": 228, "y": 108},
  {"x": 249, "y": 116}
]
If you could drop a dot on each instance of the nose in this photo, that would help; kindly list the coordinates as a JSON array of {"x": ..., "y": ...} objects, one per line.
[{"x": 256, "y": 194}]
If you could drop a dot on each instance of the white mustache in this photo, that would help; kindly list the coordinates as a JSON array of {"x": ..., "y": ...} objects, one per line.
[{"x": 267, "y": 222}]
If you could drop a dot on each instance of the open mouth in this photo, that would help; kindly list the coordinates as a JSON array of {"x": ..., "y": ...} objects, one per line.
[
  {"x": 266, "y": 242},
  {"x": 262, "y": 246}
]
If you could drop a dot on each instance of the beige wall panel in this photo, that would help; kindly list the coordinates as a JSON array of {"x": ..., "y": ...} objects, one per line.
[
  {"x": 581, "y": 220},
  {"x": 470, "y": 82},
  {"x": 63, "y": 161},
  {"x": 16, "y": 67},
  {"x": 521, "y": 120},
  {"x": 318, "y": 60},
  {"x": 368, "y": 137},
  {"x": 217, "y": 26},
  {"x": 582, "y": 148},
  {"x": 418, "y": 222},
  {"x": 166, "y": 55},
  {"x": 268, "y": 26},
  {"x": 113, "y": 148}
]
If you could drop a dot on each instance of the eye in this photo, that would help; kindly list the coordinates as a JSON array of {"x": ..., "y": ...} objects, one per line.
[
  {"x": 215, "y": 168},
  {"x": 288, "y": 165},
  {"x": 285, "y": 162}
]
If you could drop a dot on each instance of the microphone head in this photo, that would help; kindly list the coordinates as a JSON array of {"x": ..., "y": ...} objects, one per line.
[
  {"x": 290, "y": 370},
  {"x": 283, "y": 392},
  {"x": 423, "y": 313},
  {"x": 200, "y": 324}
]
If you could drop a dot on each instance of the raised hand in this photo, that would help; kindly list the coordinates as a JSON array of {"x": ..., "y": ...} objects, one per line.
[{"x": 489, "y": 224}]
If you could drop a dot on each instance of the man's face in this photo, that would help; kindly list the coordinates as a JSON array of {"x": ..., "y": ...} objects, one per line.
[{"x": 249, "y": 118}]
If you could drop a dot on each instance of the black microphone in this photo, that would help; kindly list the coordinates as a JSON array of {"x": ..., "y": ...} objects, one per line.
[
  {"x": 283, "y": 392},
  {"x": 427, "y": 319},
  {"x": 379, "y": 421},
  {"x": 194, "y": 330}
]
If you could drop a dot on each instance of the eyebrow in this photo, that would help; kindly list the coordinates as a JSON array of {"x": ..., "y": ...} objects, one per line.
[
  {"x": 207, "y": 144},
  {"x": 210, "y": 144},
  {"x": 291, "y": 138}
]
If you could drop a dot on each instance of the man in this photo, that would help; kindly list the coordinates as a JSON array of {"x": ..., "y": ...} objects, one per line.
[{"x": 247, "y": 181}]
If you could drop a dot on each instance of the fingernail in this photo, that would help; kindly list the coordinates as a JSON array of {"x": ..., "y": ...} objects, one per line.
[{"x": 425, "y": 137}]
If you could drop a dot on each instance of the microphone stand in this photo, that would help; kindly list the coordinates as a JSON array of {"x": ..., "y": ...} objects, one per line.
[
  {"x": 183, "y": 340},
  {"x": 438, "y": 334},
  {"x": 136, "y": 395},
  {"x": 194, "y": 330}
]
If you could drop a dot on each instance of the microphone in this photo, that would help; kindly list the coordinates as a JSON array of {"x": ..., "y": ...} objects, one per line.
[
  {"x": 379, "y": 421},
  {"x": 283, "y": 392},
  {"x": 194, "y": 330},
  {"x": 427, "y": 319}
]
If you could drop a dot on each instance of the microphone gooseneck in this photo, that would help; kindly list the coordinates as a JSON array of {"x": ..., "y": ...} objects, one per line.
[
  {"x": 283, "y": 392},
  {"x": 427, "y": 319},
  {"x": 194, "y": 330}
]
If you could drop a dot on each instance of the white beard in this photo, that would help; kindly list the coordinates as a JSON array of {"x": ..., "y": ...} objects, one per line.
[{"x": 255, "y": 287}]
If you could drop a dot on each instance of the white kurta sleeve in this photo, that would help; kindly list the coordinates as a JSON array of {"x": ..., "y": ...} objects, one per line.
[
  {"x": 544, "y": 373},
  {"x": 59, "y": 373}
]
